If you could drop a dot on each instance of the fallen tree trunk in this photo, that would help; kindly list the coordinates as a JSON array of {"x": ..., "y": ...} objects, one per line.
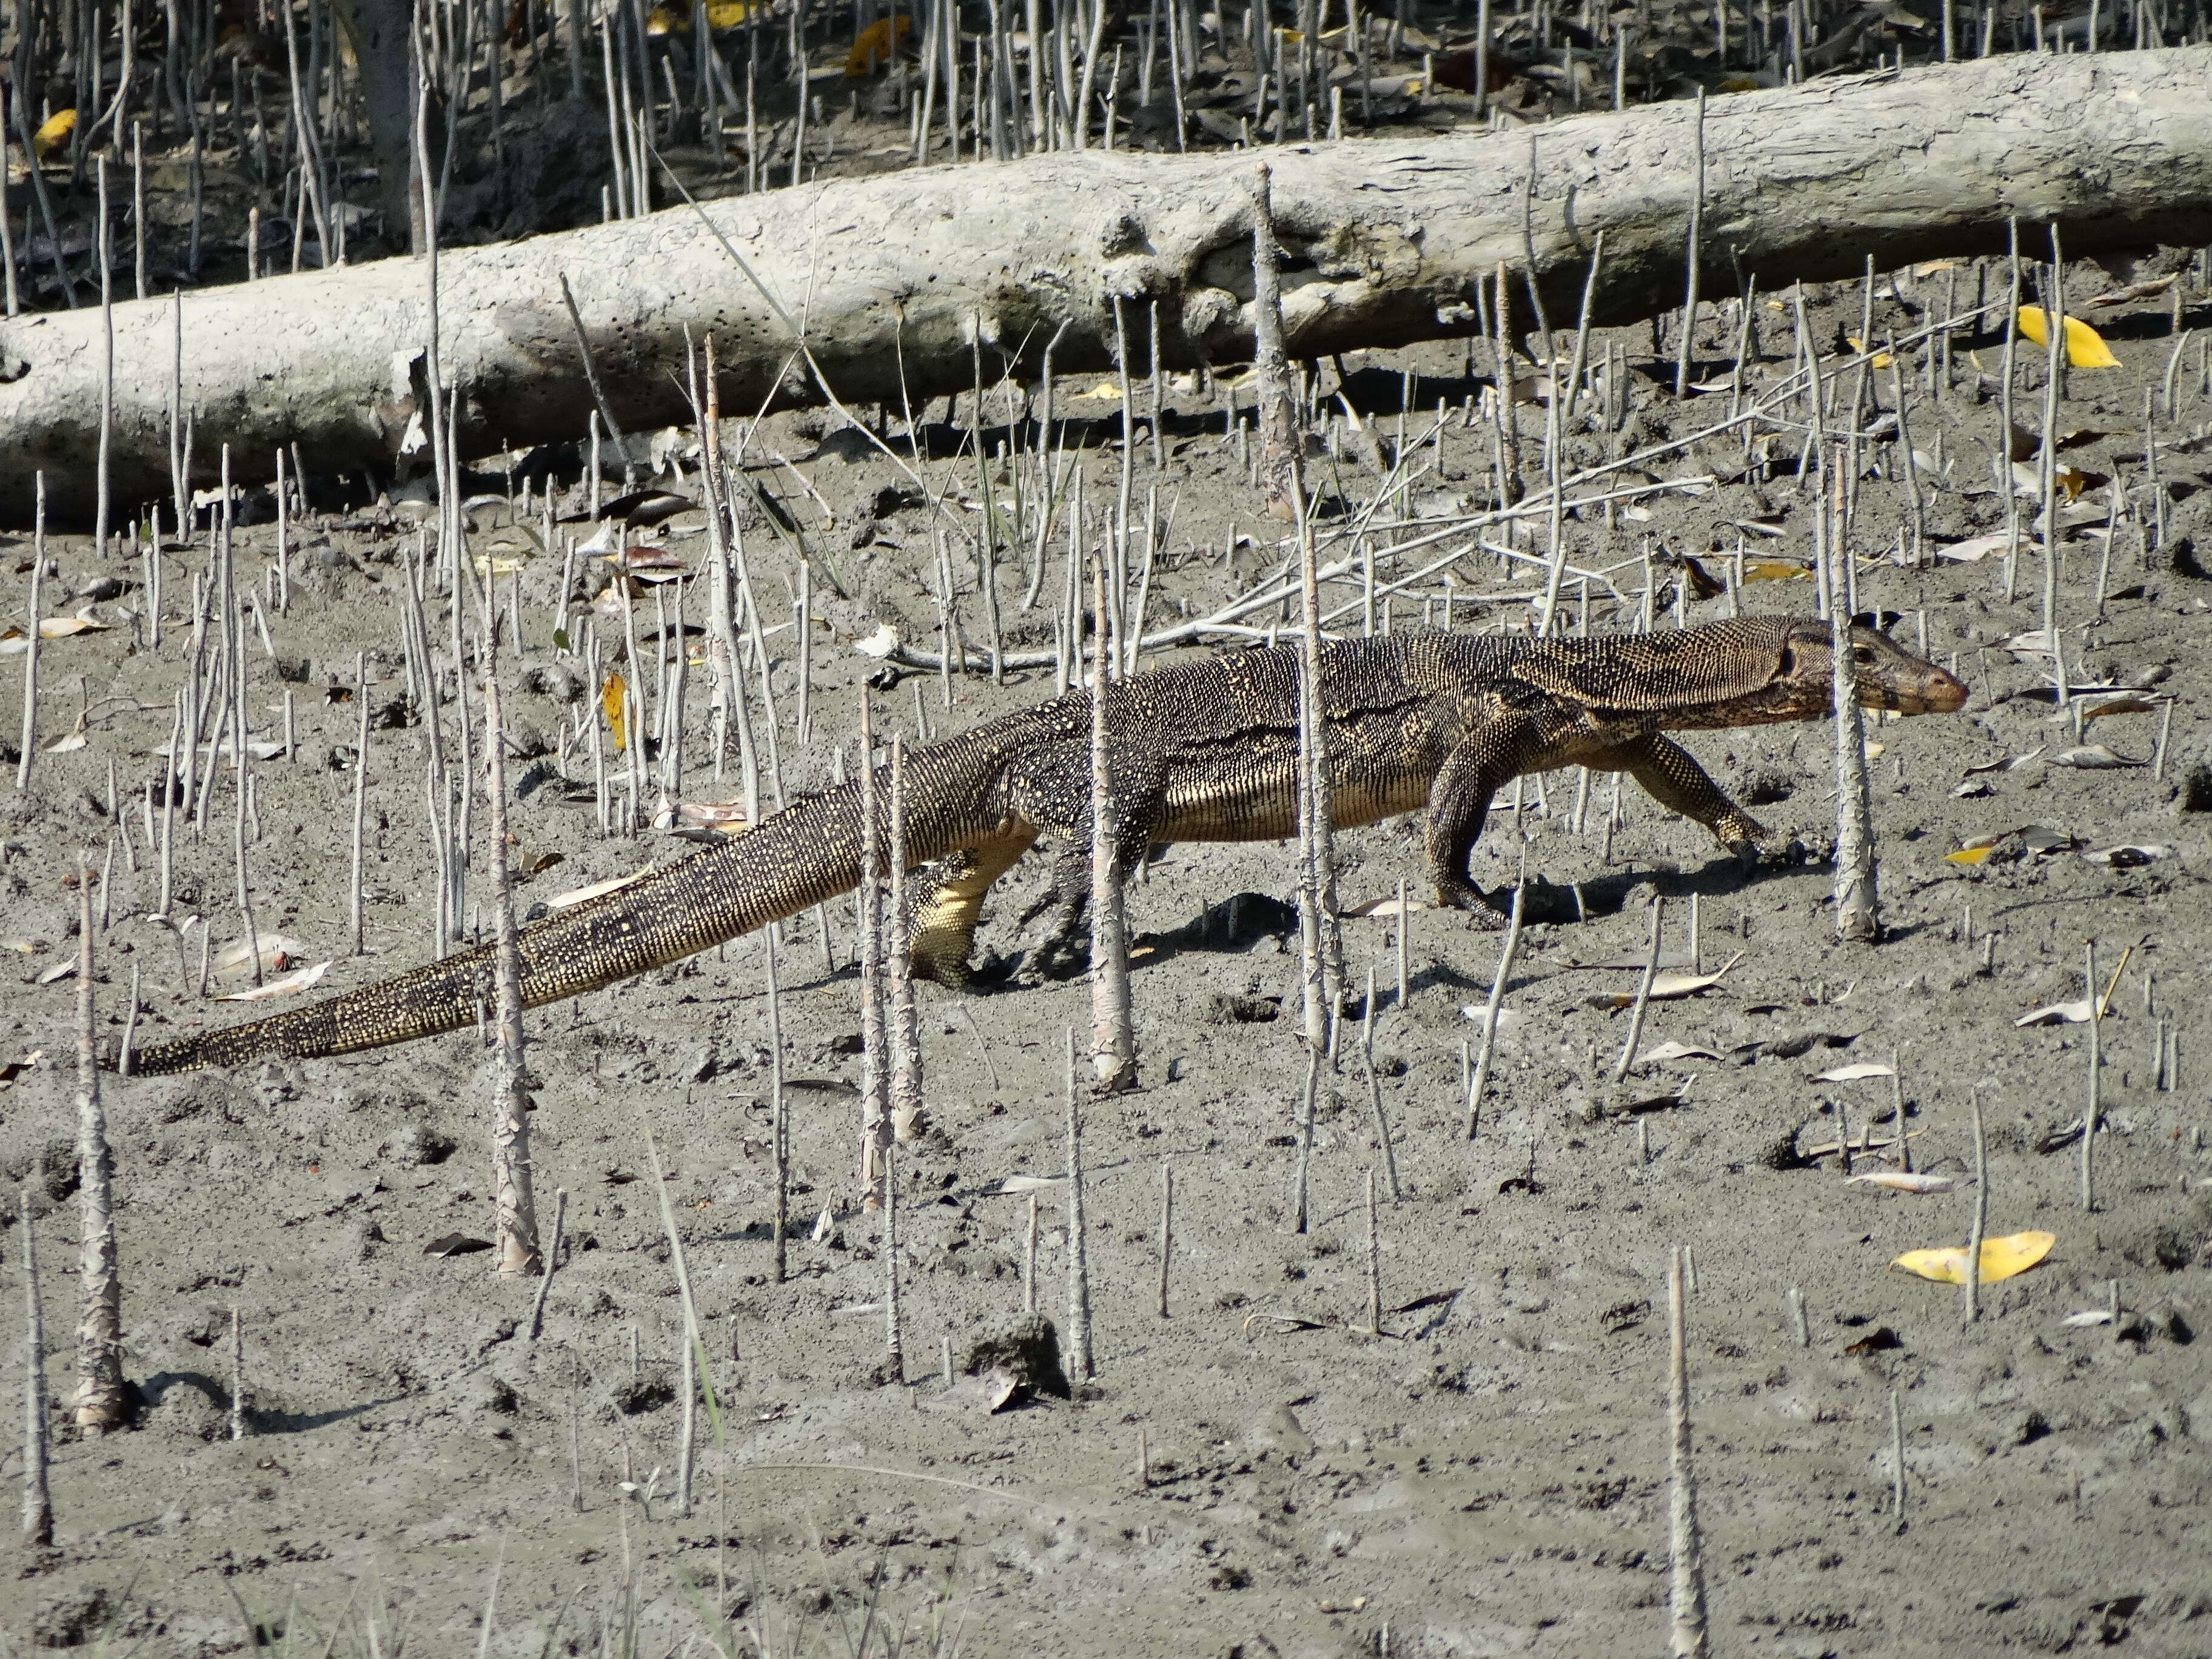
[{"x": 891, "y": 278}]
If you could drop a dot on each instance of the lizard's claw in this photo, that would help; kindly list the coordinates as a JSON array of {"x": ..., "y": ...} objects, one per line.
[
  {"x": 1063, "y": 953},
  {"x": 1482, "y": 910}
]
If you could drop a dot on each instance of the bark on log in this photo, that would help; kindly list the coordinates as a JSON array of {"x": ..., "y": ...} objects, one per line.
[{"x": 893, "y": 276}]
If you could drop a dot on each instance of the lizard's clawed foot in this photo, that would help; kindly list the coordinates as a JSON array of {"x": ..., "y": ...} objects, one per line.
[
  {"x": 952, "y": 972},
  {"x": 1064, "y": 952},
  {"x": 1481, "y": 910}
]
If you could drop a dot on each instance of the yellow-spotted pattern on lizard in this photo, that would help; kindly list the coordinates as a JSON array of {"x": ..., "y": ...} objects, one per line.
[{"x": 1202, "y": 751}]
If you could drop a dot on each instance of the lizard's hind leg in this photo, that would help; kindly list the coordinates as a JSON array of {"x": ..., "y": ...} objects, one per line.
[
  {"x": 942, "y": 915},
  {"x": 1055, "y": 792}
]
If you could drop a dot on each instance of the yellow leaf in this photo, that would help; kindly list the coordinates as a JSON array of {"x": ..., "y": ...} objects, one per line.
[
  {"x": 2070, "y": 479},
  {"x": 722, "y": 15},
  {"x": 614, "y": 703},
  {"x": 875, "y": 46},
  {"x": 1882, "y": 359},
  {"x": 2085, "y": 347},
  {"x": 53, "y": 133},
  {"x": 1968, "y": 855},
  {"x": 1105, "y": 390},
  {"x": 2000, "y": 1259},
  {"x": 1930, "y": 267},
  {"x": 1774, "y": 570}
]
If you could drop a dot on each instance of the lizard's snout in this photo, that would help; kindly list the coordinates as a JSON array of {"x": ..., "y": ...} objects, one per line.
[
  {"x": 1945, "y": 695},
  {"x": 1931, "y": 691},
  {"x": 1936, "y": 693},
  {"x": 1894, "y": 679}
]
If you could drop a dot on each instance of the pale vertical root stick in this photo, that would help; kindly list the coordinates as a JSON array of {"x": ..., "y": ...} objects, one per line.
[
  {"x": 1167, "y": 1232},
  {"x": 1029, "y": 1258},
  {"x": 1858, "y": 907},
  {"x": 1643, "y": 993},
  {"x": 1302, "y": 1171},
  {"x": 1978, "y": 1224},
  {"x": 552, "y": 1262},
  {"x": 38, "y": 1497},
  {"x": 722, "y": 632},
  {"x": 694, "y": 1372},
  {"x": 1113, "y": 1026},
  {"x": 1321, "y": 938},
  {"x": 100, "y": 1404},
  {"x": 902, "y": 1025},
  {"x": 2054, "y": 319},
  {"x": 1897, "y": 1109},
  {"x": 30, "y": 728},
  {"x": 875, "y": 1075},
  {"x": 514, "y": 1248},
  {"x": 1480, "y": 1080},
  {"x": 779, "y": 1117},
  {"x": 242, "y": 754},
  {"x": 11, "y": 298},
  {"x": 1896, "y": 1459},
  {"x": 1080, "y": 1361},
  {"x": 894, "y": 1334},
  {"x": 354, "y": 901},
  {"x": 1581, "y": 359},
  {"x": 123, "y": 1054},
  {"x": 1374, "y": 1264},
  {"x": 1685, "y": 1596},
  {"x": 240, "y": 1406},
  {"x": 1279, "y": 438},
  {"x": 107, "y": 359},
  {"x": 1382, "y": 1126},
  {"x": 1405, "y": 925},
  {"x": 1690, "y": 260},
  {"x": 2094, "y": 1107}
]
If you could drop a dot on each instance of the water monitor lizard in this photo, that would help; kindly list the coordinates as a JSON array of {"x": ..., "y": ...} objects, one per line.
[{"x": 1202, "y": 751}]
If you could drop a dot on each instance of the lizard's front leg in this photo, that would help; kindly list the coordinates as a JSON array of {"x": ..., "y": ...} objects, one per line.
[
  {"x": 1459, "y": 803},
  {"x": 1671, "y": 777},
  {"x": 941, "y": 916}
]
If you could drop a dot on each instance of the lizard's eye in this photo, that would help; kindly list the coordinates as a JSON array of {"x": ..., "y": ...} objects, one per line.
[
  {"x": 1863, "y": 654},
  {"x": 1789, "y": 660}
]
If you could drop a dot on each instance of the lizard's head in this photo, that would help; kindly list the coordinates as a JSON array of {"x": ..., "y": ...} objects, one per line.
[
  {"x": 1754, "y": 670},
  {"x": 1886, "y": 675}
]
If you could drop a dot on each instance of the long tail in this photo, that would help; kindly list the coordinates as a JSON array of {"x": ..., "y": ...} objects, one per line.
[{"x": 789, "y": 863}]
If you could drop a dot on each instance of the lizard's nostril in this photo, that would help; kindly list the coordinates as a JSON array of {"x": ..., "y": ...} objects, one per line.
[{"x": 1946, "y": 693}]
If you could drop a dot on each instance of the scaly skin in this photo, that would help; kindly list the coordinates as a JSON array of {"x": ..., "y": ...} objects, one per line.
[{"x": 1203, "y": 751}]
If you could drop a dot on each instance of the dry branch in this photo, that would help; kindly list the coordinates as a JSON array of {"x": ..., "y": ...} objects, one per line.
[{"x": 1384, "y": 241}]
